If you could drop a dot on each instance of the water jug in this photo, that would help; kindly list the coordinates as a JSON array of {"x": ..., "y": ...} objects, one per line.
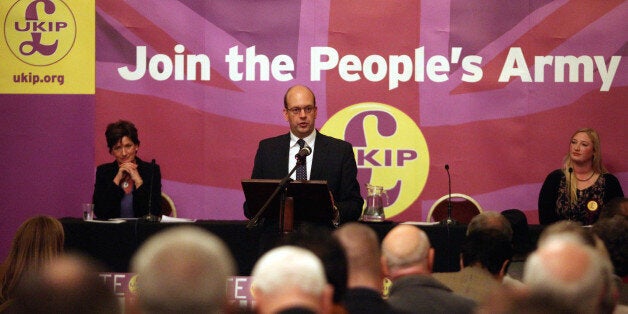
[{"x": 375, "y": 203}]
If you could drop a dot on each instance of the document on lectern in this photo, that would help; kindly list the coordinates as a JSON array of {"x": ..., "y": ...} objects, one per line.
[{"x": 312, "y": 201}]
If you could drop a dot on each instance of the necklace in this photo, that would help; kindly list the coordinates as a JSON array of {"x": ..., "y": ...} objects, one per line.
[
  {"x": 126, "y": 184},
  {"x": 587, "y": 179}
]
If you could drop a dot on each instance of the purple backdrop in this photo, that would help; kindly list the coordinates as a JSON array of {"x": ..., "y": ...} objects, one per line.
[{"x": 47, "y": 157}]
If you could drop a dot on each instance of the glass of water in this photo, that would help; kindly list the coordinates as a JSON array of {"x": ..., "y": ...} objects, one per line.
[{"x": 88, "y": 211}]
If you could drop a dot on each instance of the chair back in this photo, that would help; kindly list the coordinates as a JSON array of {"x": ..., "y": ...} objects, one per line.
[
  {"x": 167, "y": 206},
  {"x": 463, "y": 208}
]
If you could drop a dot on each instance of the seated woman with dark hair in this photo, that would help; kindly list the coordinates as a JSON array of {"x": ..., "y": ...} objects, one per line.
[
  {"x": 123, "y": 187},
  {"x": 37, "y": 241}
]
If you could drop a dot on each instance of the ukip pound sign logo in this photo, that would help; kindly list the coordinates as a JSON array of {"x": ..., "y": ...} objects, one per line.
[
  {"x": 390, "y": 150},
  {"x": 40, "y": 32}
]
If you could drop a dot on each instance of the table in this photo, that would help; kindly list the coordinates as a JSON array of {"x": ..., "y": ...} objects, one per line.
[{"x": 114, "y": 244}]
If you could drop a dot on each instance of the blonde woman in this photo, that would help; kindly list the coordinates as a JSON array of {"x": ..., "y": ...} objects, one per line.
[{"x": 582, "y": 186}]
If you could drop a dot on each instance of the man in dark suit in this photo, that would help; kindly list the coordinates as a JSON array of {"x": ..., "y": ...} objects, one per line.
[
  {"x": 331, "y": 159},
  {"x": 365, "y": 278}
]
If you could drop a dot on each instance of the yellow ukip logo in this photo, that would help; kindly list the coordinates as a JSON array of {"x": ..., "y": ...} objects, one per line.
[
  {"x": 390, "y": 150},
  {"x": 40, "y": 32}
]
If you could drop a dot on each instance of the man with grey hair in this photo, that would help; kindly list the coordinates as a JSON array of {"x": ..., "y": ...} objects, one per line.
[
  {"x": 290, "y": 279},
  {"x": 407, "y": 259},
  {"x": 183, "y": 270},
  {"x": 566, "y": 269}
]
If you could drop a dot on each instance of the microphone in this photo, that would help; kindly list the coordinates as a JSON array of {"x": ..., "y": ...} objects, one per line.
[
  {"x": 449, "y": 220},
  {"x": 150, "y": 217},
  {"x": 304, "y": 152}
]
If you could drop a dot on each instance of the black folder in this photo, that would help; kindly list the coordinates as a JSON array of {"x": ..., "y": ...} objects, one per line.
[{"x": 312, "y": 201}]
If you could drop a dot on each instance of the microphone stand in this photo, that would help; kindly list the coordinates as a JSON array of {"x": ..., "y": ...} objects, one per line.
[
  {"x": 569, "y": 198},
  {"x": 449, "y": 221},
  {"x": 150, "y": 217},
  {"x": 281, "y": 187}
]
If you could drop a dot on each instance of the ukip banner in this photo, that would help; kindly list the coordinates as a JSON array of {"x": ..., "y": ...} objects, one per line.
[
  {"x": 492, "y": 89},
  {"x": 48, "y": 48}
]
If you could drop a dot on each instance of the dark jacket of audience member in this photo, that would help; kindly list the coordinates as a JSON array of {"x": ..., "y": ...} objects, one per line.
[
  {"x": 365, "y": 277},
  {"x": 614, "y": 233}
]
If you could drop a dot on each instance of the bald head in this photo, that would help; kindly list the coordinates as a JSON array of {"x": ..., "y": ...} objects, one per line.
[
  {"x": 180, "y": 270},
  {"x": 407, "y": 248},
  {"x": 567, "y": 269},
  {"x": 566, "y": 261},
  {"x": 300, "y": 110},
  {"x": 363, "y": 252},
  {"x": 298, "y": 91}
]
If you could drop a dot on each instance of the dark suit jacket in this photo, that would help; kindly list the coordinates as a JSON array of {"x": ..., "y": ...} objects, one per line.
[
  {"x": 473, "y": 282},
  {"x": 107, "y": 195},
  {"x": 366, "y": 301},
  {"x": 333, "y": 161},
  {"x": 424, "y": 294}
]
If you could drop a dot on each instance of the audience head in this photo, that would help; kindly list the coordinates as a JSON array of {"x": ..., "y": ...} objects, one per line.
[
  {"x": 290, "y": 277},
  {"x": 319, "y": 240},
  {"x": 565, "y": 269},
  {"x": 585, "y": 236},
  {"x": 37, "y": 241},
  {"x": 490, "y": 249},
  {"x": 573, "y": 228},
  {"x": 67, "y": 284},
  {"x": 406, "y": 249},
  {"x": 490, "y": 220},
  {"x": 363, "y": 253},
  {"x": 614, "y": 233},
  {"x": 616, "y": 206},
  {"x": 117, "y": 130},
  {"x": 183, "y": 270}
]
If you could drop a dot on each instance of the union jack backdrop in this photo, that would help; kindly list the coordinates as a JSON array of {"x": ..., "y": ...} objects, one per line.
[{"x": 499, "y": 137}]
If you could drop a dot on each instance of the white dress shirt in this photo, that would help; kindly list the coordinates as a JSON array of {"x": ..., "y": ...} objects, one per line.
[{"x": 294, "y": 150}]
